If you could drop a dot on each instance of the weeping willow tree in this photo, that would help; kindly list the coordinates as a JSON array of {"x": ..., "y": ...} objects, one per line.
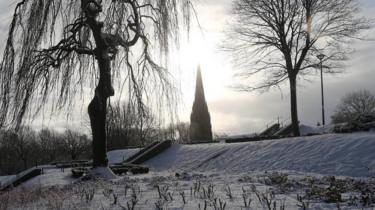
[{"x": 55, "y": 48}]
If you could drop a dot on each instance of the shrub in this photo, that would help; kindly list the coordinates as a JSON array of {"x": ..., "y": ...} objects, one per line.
[{"x": 357, "y": 106}]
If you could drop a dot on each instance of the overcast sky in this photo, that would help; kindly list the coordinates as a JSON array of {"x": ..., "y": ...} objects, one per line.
[{"x": 233, "y": 112}]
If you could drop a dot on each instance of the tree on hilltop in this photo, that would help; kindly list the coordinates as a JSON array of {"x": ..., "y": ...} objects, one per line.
[{"x": 280, "y": 40}]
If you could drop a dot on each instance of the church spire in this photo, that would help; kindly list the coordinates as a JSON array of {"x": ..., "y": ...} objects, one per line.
[
  {"x": 199, "y": 89},
  {"x": 200, "y": 121}
]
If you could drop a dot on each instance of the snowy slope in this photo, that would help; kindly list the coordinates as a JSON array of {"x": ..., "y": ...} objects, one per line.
[
  {"x": 330, "y": 154},
  {"x": 117, "y": 156},
  {"x": 238, "y": 167},
  {"x": 304, "y": 130},
  {"x": 336, "y": 154},
  {"x": 5, "y": 179},
  {"x": 50, "y": 177}
]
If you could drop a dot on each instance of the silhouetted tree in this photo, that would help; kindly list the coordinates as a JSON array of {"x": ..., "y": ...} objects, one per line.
[
  {"x": 200, "y": 120},
  {"x": 8, "y": 163},
  {"x": 26, "y": 148},
  {"x": 59, "y": 46},
  {"x": 166, "y": 133},
  {"x": 75, "y": 144},
  {"x": 22, "y": 145},
  {"x": 281, "y": 39},
  {"x": 183, "y": 132},
  {"x": 126, "y": 126},
  {"x": 18, "y": 148},
  {"x": 50, "y": 144},
  {"x": 354, "y": 106}
]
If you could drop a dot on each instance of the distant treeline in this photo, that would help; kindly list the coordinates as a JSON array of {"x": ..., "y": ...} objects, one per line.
[
  {"x": 23, "y": 149},
  {"x": 27, "y": 148}
]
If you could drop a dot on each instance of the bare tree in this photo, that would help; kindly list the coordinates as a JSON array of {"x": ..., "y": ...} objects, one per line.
[
  {"x": 25, "y": 148},
  {"x": 354, "y": 106},
  {"x": 57, "y": 47},
  {"x": 49, "y": 143},
  {"x": 19, "y": 147},
  {"x": 127, "y": 126},
  {"x": 167, "y": 132},
  {"x": 281, "y": 39},
  {"x": 75, "y": 144},
  {"x": 183, "y": 129},
  {"x": 7, "y": 155},
  {"x": 21, "y": 144}
]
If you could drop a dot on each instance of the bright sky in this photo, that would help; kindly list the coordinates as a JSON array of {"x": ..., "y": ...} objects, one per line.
[{"x": 233, "y": 112}]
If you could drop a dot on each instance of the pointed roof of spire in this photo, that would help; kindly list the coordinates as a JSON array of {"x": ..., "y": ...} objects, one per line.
[{"x": 199, "y": 89}]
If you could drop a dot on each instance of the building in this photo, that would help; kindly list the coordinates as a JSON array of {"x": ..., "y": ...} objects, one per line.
[{"x": 200, "y": 120}]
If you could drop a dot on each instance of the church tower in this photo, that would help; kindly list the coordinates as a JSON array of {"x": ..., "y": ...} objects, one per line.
[{"x": 200, "y": 121}]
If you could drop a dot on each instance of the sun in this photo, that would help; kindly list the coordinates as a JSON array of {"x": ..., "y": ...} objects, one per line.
[{"x": 201, "y": 50}]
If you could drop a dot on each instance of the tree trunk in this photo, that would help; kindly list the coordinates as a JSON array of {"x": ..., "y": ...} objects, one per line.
[
  {"x": 293, "y": 105},
  {"x": 98, "y": 109},
  {"x": 97, "y": 115}
]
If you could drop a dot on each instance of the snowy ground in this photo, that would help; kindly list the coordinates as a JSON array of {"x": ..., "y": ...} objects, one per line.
[
  {"x": 4, "y": 179},
  {"x": 117, "y": 156},
  {"x": 330, "y": 154},
  {"x": 197, "y": 190},
  {"x": 287, "y": 173}
]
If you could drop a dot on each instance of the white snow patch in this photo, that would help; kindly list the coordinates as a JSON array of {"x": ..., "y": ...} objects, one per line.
[
  {"x": 102, "y": 172},
  {"x": 5, "y": 179},
  {"x": 50, "y": 177},
  {"x": 306, "y": 130},
  {"x": 117, "y": 156}
]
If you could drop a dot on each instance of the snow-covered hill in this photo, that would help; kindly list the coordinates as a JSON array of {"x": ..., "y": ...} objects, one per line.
[
  {"x": 335, "y": 154},
  {"x": 117, "y": 156},
  {"x": 222, "y": 174}
]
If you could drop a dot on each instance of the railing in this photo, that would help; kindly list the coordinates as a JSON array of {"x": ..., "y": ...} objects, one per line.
[{"x": 151, "y": 152}]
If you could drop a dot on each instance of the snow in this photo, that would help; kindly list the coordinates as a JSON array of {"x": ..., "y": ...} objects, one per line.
[
  {"x": 144, "y": 189},
  {"x": 240, "y": 136},
  {"x": 334, "y": 154},
  {"x": 5, "y": 179},
  {"x": 59, "y": 177},
  {"x": 238, "y": 166},
  {"x": 329, "y": 154},
  {"x": 306, "y": 130},
  {"x": 103, "y": 172},
  {"x": 117, "y": 156},
  {"x": 50, "y": 177}
]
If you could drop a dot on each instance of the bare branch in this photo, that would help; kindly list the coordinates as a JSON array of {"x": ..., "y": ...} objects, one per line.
[{"x": 288, "y": 33}]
